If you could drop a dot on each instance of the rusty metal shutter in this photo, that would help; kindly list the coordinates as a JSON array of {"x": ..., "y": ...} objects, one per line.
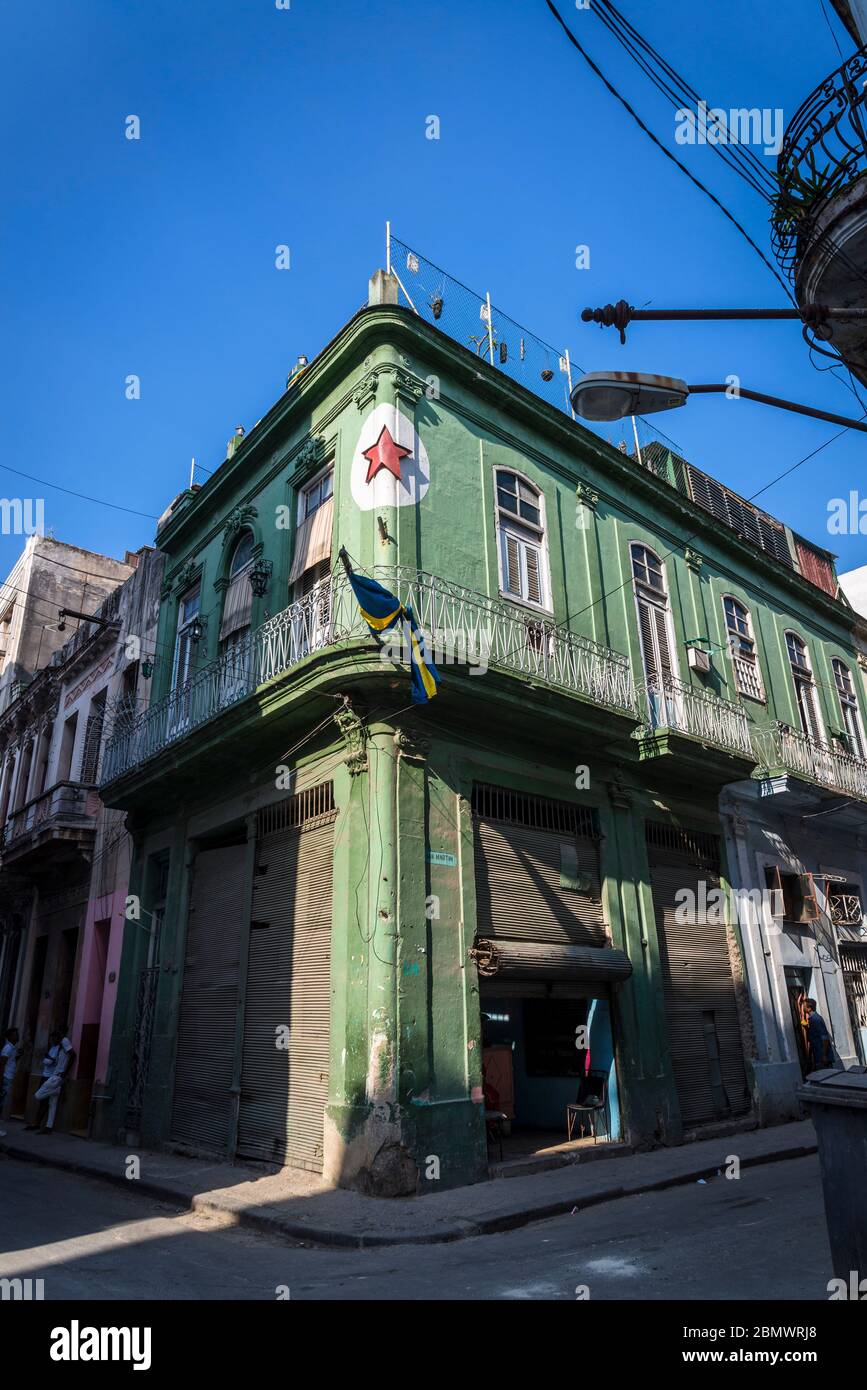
[
  {"x": 700, "y": 1006},
  {"x": 284, "y": 1090},
  {"x": 500, "y": 960},
  {"x": 201, "y": 1114},
  {"x": 522, "y": 844}
]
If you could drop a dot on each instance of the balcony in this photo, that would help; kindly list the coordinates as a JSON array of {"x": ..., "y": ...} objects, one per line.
[
  {"x": 819, "y": 222},
  {"x": 779, "y": 750},
  {"x": 462, "y": 627},
  {"x": 674, "y": 708},
  {"x": 58, "y": 824}
]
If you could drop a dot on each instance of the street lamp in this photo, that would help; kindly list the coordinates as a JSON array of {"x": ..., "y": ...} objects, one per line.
[{"x": 613, "y": 395}]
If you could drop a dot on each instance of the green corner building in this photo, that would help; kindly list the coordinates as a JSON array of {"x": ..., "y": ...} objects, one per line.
[{"x": 361, "y": 930}]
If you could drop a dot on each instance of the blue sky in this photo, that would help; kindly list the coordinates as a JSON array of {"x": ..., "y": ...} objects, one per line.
[{"x": 306, "y": 127}]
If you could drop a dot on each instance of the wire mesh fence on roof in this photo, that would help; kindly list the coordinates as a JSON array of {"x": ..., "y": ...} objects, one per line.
[
  {"x": 463, "y": 315},
  {"x": 542, "y": 368}
]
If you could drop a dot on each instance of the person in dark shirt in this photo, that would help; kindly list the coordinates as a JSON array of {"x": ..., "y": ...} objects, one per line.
[{"x": 821, "y": 1047}]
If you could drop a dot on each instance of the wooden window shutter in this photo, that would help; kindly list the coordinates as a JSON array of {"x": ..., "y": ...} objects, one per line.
[
  {"x": 534, "y": 574},
  {"x": 645, "y": 624},
  {"x": 512, "y": 564},
  {"x": 661, "y": 618},
  {"x": 808, "y": 904},
  {"x": 809, "y": 712}
]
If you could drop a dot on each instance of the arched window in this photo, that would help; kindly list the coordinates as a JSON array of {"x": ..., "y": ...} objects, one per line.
[
  {"x": 242, "y": 554},
  {"x": 647, "y": 570},
  {"x": 742, "y": 644},
  {"x": 805, "y": 688},
  {"x": 849, "y": 707},
  {"x": 654, "y": 619},
  {"x": 521, "y": 540},
  {"x": 238, "y": 597}
]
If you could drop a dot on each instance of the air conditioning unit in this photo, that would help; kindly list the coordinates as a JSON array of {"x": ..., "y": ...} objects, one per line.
[{"x": 698, "y": 660}]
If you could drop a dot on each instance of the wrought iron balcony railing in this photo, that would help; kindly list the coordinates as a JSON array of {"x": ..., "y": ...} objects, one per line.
[
  {"x": 780, "y": 748},
  {"x": 66, "y": 804},
  {"x": 824, "y": 152},
  {"x": 461, "y": 627},
  {"x": 672, "y": 704}
]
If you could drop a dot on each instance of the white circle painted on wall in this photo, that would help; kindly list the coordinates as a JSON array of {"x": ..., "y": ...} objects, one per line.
[{"x": 390, "y": 466}]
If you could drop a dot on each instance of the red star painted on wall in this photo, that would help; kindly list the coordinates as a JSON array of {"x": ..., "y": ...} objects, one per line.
[{"x": 385, "y": 454}]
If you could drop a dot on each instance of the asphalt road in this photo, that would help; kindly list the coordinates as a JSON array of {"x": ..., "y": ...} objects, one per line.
[{"x": 743, "y": 1239}]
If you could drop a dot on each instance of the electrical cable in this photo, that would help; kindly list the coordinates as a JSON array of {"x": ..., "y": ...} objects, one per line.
[{"x": 668, "y": 154}]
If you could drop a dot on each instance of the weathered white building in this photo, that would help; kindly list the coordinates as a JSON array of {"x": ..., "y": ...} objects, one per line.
[{"x": 65, "y": 858}]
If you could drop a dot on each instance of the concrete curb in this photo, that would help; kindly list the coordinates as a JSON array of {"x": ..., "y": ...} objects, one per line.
[{"x": 461, "y": 1229}]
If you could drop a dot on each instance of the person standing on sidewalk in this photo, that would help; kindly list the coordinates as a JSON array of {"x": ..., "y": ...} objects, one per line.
[
  {"x": 8, "y": 1063},
  {"x": 821, "y": 1046},
  {"x": 61, "y": 1053}
]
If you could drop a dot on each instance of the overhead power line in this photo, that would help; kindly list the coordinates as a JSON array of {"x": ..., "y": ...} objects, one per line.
[{"x": 668, "y": 153}]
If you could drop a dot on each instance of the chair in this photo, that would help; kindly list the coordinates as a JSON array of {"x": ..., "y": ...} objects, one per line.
[
  {"x": 494, "y": 1128},
  {"x": 494, "y": 1115},
  {"x": 591, "y": 1098}
]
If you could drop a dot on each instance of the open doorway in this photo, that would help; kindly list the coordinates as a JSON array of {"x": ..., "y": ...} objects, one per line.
[{"x": 549, "y": 1070}]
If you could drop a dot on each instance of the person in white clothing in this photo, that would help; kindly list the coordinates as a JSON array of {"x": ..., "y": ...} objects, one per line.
[
  {"x": 8, "y": 1063},
  {"x": 56, "y": 1063}
]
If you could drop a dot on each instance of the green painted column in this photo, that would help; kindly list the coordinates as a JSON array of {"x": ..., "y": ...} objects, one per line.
[{"x": 650, "y": 1099}]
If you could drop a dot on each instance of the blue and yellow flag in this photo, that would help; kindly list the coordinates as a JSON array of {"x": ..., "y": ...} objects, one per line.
[{"x": 382, "y": 611}]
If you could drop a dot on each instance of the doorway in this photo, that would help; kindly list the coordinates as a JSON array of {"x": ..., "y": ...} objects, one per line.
[{"x": 544, "y": 1049}]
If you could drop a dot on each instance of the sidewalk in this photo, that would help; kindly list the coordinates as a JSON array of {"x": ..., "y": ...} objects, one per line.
[{"x": 299, "y": 1207}]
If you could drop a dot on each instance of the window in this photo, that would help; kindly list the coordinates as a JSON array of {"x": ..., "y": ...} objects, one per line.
[
  {"x": 317, "y": 493},
  {"x": 521, "y": 540},
  {"x": 739, "y": 629},
  {"x": 8, "y": 779},
  {"x": 93, "y": 739},
  {"x": 647, "y": 570},
  {"x": 852, "y": 727},
  {"x": 655, "y": 633},
  {"x": 793, "y": 896},
  {"x": 805, "y": 689},
  {"x": 844, "y": 903},
  {"x": 23, "y": 776},
  {"x": 129, "y": 691},
  {"x": 311, "y": 562},
  {"x": 67, "y": 748},
  {"x": 238, "y": 597},
  {"x": 42, "y": 780},
  {"x": 188, "y": 612}
]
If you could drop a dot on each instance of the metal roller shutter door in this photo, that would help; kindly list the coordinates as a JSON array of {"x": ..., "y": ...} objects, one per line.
[
  {"x": 518, "y": 891},
  {"x": 202, "y": 1110},
  {"x": 700, "y": 1007},
  {"x": 284, "y": 1090}
]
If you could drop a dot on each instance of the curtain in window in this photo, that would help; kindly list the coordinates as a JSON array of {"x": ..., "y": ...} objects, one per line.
[
  {"x": 238, "y": 605},
  {"x": 313, "y": 540}
]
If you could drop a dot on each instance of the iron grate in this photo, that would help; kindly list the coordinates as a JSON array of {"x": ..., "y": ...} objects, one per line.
[
  {"x": 698, "y": 845},
  {"x": 312, "y": 805},
  {"x": 537, "y": 812}
]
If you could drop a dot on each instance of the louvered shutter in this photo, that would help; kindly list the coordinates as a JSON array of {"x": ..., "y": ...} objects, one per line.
[
  {"x": 698, "y": 989},
  {"x": 810, "y": 721},
  {"x": 92, "y": 743},
  {"x": 533, "y": 560},
  {"x": 663, "y": 645},
  {"x": 518, "y": 886},
  {"x": 284, "y": 1090},
  {"x": 512, "y": 564},
  {"x": 202, "y": 1110},
  {"x": 646, "y": 625}
]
